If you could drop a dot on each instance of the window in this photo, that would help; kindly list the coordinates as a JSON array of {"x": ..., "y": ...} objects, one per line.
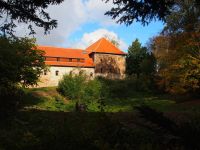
[
  {"x": 58, "y": 59},
  {"x": 101, "y": 70},
  {"x": 91, "y": 74},
  {"x": 57, "y": 72},
  {"x": 82, "y": 60},
  {"x": 70, "y": 59},
  {"x": 45, "y": 72}
]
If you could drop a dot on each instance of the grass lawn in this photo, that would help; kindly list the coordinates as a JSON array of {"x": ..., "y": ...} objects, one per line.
[
  {"x": 46, "y": 120},
  {"x": 49, "y": 99}
]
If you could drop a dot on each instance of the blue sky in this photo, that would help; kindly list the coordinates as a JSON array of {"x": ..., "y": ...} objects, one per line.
[
  {"x": 127, "y": 33},
  {"x": 82, "y": 22}
]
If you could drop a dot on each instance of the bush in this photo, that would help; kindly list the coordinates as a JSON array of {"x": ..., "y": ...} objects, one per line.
[
  {"x": 72, "y": 86},
  {"x": 80, "y": 89}
]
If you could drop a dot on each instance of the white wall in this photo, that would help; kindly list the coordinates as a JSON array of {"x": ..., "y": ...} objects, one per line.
[{"x": 52, "y": 80}]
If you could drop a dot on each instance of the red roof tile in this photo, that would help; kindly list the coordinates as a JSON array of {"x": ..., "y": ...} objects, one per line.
[
  {"x": 62, "y": 52},
  {"x": 104, "y": 46},
  {"x": 67, "y": 53},
  {"x": 101, "y": 46}
]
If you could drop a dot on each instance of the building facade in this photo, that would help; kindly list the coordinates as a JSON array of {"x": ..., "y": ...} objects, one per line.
[{"x": 100, "y": 59}]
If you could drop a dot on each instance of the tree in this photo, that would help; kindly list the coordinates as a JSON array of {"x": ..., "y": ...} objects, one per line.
[
  {"x": 128, "y": 11},
  {"x": 177, "y": 50},
  {"x": 184, "y": 18},
  {"x": 138, "y": 60},
  {"x": 21, "y": 65},
  {"x": 20, "y": 62},
  {"x": 179, "y": 63},
  {"x": 26, "y": 11},
  {"x": 140, "y": 11}
]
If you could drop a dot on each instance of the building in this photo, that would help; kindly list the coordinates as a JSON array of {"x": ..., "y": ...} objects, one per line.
[{"x": 100, "y": 59}]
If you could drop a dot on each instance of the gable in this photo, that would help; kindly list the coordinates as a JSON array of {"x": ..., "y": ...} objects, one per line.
[{"x": 104, "y": 46}]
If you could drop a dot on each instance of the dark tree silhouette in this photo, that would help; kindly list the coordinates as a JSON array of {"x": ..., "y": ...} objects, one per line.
[
  {"x": 26, "y": 11},
  {"x": 127, "y": 11}
]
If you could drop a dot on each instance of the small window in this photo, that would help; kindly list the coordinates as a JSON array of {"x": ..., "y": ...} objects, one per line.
[
  {"x": 101, "y": 60},
  {"x": 70, "y": 59},
  {"x": 58, "y": 59},
  {"x": 82, "y": 60},
  {"x": 57, "y": 72},
  {"x": 45, "y": 72},
  {"x": 101, "y": 70},
  {"x": 91, "y": 74}
]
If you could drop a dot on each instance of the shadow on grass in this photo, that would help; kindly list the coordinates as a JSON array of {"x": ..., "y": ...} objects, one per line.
[
  {"x": 42, "y": 130},
  {"x": 62, "y": 130}
]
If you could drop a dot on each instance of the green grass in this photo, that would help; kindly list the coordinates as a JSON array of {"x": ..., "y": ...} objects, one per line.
[
  {"x": 50, "y": 100},
  {"x": 47, "y": 121}
]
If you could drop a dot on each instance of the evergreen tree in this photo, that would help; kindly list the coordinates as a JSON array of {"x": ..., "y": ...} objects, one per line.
[{"x": 138, "y": 60}]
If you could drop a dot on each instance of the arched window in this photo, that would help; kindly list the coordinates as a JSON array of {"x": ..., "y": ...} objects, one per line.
[{"x": 57, "y": 72}]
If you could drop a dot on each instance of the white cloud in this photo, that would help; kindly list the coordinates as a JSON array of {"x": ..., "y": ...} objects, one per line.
[
  {"x": 96, "y": 10},
  {"x": 70, "y": 15},
  {"x": 89, "y": 38}
]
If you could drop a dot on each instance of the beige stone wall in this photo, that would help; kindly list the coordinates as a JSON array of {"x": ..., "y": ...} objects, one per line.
[
  {"x": 52, "y": 80},
  {"x": 109, "y": 65}
]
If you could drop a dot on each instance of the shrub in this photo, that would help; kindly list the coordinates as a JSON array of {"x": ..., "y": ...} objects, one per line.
[
  {"x": 80, "y": 89},
  {"x": 72, "y": 86}
]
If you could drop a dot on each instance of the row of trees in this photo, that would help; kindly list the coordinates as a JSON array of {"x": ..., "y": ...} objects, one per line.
[{"x": 173, "y": 57}]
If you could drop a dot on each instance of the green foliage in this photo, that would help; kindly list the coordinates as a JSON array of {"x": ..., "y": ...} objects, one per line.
[
  {"x": 20, "y": 62},
  {"x": 21, "y": 65},
  {"x": 184, "y": 18},
  {"x": 79, "y": 88},
  {"x": 139, "y": 61},
  {"x": 27, "y": 11},
  {"x": 72, "y": 86},
  {"x": 141, "y": 11},
  {"x": 177, "y": 50}
]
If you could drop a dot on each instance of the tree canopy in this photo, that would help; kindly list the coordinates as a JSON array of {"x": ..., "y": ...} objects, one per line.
[
  {"x": 177, "y": 50},
  {"x": 127, "y": 11},
  {"x": 139, "y": 61},
  {"x": 26, "y": 11},
  {"x": 20, "y": 62}
]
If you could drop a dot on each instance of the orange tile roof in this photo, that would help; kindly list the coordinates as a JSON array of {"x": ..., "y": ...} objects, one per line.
[
  {"x": 62, "y": 52},
  {"x": 104, "y": 46},
  {"x": 101, "y": 46},
  {"x": 67, "y": 53}
]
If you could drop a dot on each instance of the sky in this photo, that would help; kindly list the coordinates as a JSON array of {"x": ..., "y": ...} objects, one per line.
[{"x": 82, "y": 22}]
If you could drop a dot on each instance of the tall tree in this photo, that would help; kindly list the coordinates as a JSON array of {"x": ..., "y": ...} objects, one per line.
[
  {"x": 26, "y": 11},
  {"x": 178, "y": 50},
  {"x": 21, "y": 65},
  {"x": 138, "y": 60},
  {"x": 20, "y": 62}
]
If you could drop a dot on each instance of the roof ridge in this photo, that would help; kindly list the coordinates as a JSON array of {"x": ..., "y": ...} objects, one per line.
[
  {"x": 59, "y": 47},
  {"x": 99, "y": 43}
]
